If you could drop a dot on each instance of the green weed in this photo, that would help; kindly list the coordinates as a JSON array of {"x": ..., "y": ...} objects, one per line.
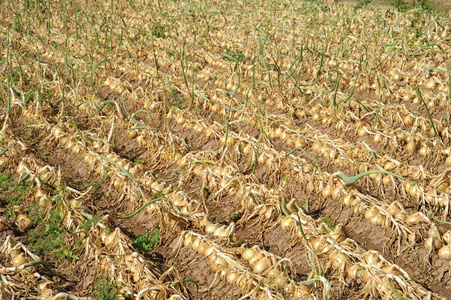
[
  {"x": 90, "y": 221},
  {"x": 146, "y": 242},
  {"x": 234, "y": 54},
  {"x": 159, "y": 31},
  {"x": 105, "y": 290},
  {"x": 329, "y": 223},
  {"x": 5, "y": 182},
  {"x": 42, "y": 152},
  {"x": 235, "y": 217}
]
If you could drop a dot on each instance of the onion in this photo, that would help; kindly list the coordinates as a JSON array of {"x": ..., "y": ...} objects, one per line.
[
  {"x": 24, "y": 223},
  {"x": 415, "y": 218},
  {"x": 372, "y": 258},
  {"x": 358, "y": 209},
  {"x": 3, "y": 226},
  {"x": 203, "y": 245},
  {"x": 219, "y": 231},
  {"x": 337, "y": 192},
  {"x": 223, "y": 233},
  {"x": 414, "y": 191},
  {"x": 19, "y": 260},
  {"x": 132, "y": 134},
  {"x": 261, "y": 158},
  {"x": 430, "y": 84},
  {"x": 320, "y": 245},
  {"x": 448, "y": 161},
  {"x": 326, "y": 191},
  {"x": 362, "y": 131},
  {"x": 348, "y": 199},
  {"x": 248, "y": 254},
  {"x": 372, "y": 212},
  {"x": 157, "y": 186},
  {"x": 356, "y": 271},
  {"x": 377, "y": 138},
  {"x": 134, "y": 170},
  {"x": 447, "y": 237},
  {"x": 232, "y": 277},
  {"x": 211, "y": 250},
  {"x": 445, "y": 253},
  {"x": 316, "y": 146},
  {"x": 211, "y": 228},
  {"x": 386, "y": 180},
  {"x": 300, "y": 143},
  {"x": 424, "y": 151},
  {"x": 339, "y": 260},
  {"x": 218, "y": 264},
  {"x": 391, "y": 269},
  {"x": 195, "y": 244},
  {"x": 287, "y": 223},
  {"x": 433, "y": 244},
  {"x": 255, "y": 259},
  {"x": 273, "y": 273},
  {"x": 338, "y": 234},
  {"x": 395, "y": 207},
  {"x": 58, "y": 132},
  {"x": 110, "y": 238},
  {"x": 261, "y": 265},
  {"x": 242, "y": 281},
  {"x": 407, "y": 120},
  {"x": 284, "y": 135}
]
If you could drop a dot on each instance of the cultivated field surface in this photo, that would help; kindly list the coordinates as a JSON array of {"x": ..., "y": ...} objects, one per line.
[{"x": 224, "y": 150}]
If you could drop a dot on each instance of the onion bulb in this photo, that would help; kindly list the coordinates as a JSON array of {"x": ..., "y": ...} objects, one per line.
[
  {"x": 232, "y": 277},
  {"x": 19, "y": 260},
  {"x": 132, "y": 134},
  {"x": 3, "y": 226},
  {"x": 320, "y": 245},
  {"x": 415, "y": 218},
  {"x": 370, "y": 213},
  {"x": 338, "y": 234},
  {"x": 195, "y": 244},
  {"x": 339, "y": 260},
  {"x": 24, "y": 223},
  {"x": 391, "y": 269},
  {"x": 444, "y": 253},
  {"x": 433, "y": 244},
  {"x": 372, "y": 258},
  {"x": 248, "y": 254},
  {"x": 211, "y": 228},
  {"x": 356, "y": 271},
  {"x": 348, "y": 199},
  {"x": 255, "y": 259},
  {"x": 211, "y": 250},
  {"x": 203, "y": 245},
  {"x": 218, "y": 264},
  {"x": 447, "y": 237},
  {"x": 448, "y": 161},
  {"x": 261, "y": 265},
  {"x": 287, "y": 223}
]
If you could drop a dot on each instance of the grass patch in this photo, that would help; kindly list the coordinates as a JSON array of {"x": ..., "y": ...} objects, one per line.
[
  {"x": 11, "y": 194},
  {"x": 48, "y": 236}
]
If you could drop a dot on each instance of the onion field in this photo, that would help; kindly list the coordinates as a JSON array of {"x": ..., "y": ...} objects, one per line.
[{"x": 224, "y": 150}]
